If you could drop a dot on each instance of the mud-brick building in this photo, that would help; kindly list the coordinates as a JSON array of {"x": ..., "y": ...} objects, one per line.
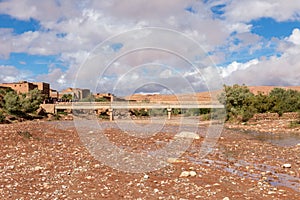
[
  {"x": 108, "y": 96},
  {"x": 25, "y": 87},
  {"x": 77, "y": 93},
  {"x": 54, "y": 94},
  {"x": 44, "y": 88}
]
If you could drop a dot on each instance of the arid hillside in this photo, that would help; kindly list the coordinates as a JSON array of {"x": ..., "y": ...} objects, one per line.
[
  {"x": 268, "y": 89},
  {"x": 202, "y": 96}
]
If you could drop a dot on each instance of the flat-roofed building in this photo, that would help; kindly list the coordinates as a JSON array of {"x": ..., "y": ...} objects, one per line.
[
  {"x": 54, "y": 94},
  {"x": 104, "y": 96},
  {"x": 25, "y": 87},
  {"x": 20, "y": 87},
  {"x": 77, "y": 93},
  {"x": 44, "y": 88}
]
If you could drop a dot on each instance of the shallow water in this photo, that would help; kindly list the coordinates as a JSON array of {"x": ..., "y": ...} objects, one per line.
[{"x": 278, "y": 139}]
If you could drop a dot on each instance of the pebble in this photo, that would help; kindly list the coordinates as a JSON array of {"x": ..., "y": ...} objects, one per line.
[
  {"x": 37, "y": 168},
  {"x": 193, "y": 173},
  {"x": 268, "y": 173},
  {"x": 97, "y": 166},
  {"x": 188, "y": 173},
  {"x": 287, "y": 165},
  {"x": 271, "y": 192},
  {"x": 184, "y": 174}
]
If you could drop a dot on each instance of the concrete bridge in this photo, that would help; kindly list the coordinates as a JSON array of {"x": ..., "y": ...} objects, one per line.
[{"x": 110, "y": 106}]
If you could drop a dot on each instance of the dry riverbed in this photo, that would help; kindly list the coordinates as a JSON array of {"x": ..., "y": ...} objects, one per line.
[{"x": 47, "y": 160}]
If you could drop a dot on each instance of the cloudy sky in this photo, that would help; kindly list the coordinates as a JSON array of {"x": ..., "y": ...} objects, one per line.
[{"x": 254, "y": 42}]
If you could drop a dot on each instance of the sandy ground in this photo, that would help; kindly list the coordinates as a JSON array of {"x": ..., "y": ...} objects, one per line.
[{"x": 42, "y": 160}]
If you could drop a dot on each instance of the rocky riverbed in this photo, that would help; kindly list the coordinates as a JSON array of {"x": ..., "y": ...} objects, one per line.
[{"x": 47, "y": 160}]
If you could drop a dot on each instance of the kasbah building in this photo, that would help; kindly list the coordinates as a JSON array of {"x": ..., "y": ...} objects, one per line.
[
  {"x": 50, "y": 94},
  {"x": 25, "y": 87}
]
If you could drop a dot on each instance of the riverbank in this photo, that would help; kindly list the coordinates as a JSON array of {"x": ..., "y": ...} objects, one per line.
[{"x": 47, "y": 160}]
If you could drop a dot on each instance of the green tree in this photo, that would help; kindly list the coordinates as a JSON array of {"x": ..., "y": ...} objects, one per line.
[
  {"x": 89, "y": 98},
  {"x": 263, "y": 103},
  {"x": 31, "y": 101},
  {"x": 67, "y": 97},
  {"x": 284, "y": 100},
  {"x": 238, "y": 101},
  {"x": 12, "y": 103},
  {"x": 101, "y": 99},
  {"x": 2, "y": 117}
]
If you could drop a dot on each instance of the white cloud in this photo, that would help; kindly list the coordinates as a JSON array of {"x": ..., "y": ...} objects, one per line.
[
  {"x": 245, "y": 10},
  {"x": 12, "y": 74},
  {"x": 235, "y": 66},
  {"x": 295, "y": 37},
  {"x": 282, "y": 70},
  {"x": 239, "y": 27},
  {"x": 275, "y": 71},
  {"x": 71, "y": 29}
]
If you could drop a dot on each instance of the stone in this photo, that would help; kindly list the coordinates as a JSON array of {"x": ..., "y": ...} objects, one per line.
[
  {"x": 188, "y": 135},
  {"x": 174, "y": 160},
  {"x": 97, "y": 166},
  {"x": 188, "y": 173},
  {"x": 146, "y": 176},
  {"x": 287, "y": 165},
  {"x": 193, "y": 173},
  {"x": 38, "y": 168},
  {"x": 226, "y": 198},
  {"x": 184, "y": 174},
  {"x": 268, "y": 173},
  {"x": 271, "y": 192}
]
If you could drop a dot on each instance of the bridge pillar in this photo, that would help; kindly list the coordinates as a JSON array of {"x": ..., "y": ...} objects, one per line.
[
  {"x": 169, "y": 112},
  {"x": 111, "y": 116}
]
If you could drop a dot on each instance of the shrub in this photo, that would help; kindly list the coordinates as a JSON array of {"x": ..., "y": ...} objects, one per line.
[
  {"x": 2, "y": 117},
  {"x": 140, "y": 112},
  {"x": 31, "y": 101},
  {"x": 25, "y": 134},
  {"x": 12, "y": 103},
  {"x": 239, "y": 102}
]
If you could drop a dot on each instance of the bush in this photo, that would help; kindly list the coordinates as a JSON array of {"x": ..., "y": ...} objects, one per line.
[
  {"x": 140, "y": 112},
  {"x": 12, "y": 103},
  {"x": 241, "y": 104},
  {"x": 2, "y": 117},
  {"x": 31, "y": 101},
  {"x": 158, "y": 112},
  {"x": 284, "y": 100}
]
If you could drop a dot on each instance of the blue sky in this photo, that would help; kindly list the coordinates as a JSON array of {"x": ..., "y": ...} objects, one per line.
[{"x": 49, "y": 41}]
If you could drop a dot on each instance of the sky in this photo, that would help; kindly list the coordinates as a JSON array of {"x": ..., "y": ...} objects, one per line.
[{"x": 253, "y": 42}]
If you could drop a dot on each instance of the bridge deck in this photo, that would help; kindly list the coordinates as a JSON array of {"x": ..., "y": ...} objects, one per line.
[{"x": 95, "y": 106}]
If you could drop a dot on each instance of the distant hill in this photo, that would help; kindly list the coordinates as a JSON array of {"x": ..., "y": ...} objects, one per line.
[
  {"x": 201, "y": 96},
  {"x": 268, "y": 89}
]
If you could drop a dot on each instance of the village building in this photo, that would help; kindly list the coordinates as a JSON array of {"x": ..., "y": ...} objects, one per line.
[
  {"x": 25, "y": 87},
  {"x": 77, "y": 93}
]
